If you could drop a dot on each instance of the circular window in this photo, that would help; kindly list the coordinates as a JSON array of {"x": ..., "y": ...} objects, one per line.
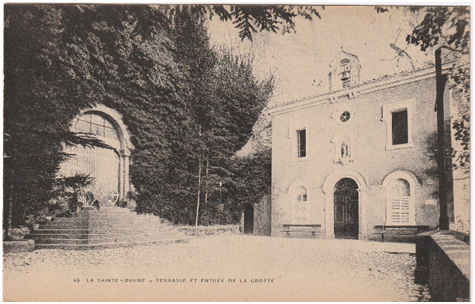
[{"x": 345, "y": 116}]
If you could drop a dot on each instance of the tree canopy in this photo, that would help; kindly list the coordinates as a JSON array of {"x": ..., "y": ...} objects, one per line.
[{"x": 185, "y": 103}]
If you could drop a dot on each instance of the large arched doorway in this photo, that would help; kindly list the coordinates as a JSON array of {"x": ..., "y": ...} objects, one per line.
[
  {"x": 108, "y": 166},
  {"x": 346, "y": 217}
]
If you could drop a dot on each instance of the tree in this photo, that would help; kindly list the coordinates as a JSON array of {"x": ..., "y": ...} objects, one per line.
[
  {"x": 153, "y": 64},
  {"x": 447, "y": 28},
  {"x": 36, "y": 122},
  {"x": 250, "y": 19},
  {"x": 61, "y": 59},
  {"x": 253, "y": 177}
]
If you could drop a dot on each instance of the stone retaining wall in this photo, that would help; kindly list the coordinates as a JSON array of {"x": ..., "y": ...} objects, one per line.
[
  {"x": 18, "y": 246},
  {"x": 212, "y": 230},
  {"x": 443, "y": 262}
]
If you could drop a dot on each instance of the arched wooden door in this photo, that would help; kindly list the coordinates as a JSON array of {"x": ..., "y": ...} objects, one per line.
[{"x": 345, "y": 198}]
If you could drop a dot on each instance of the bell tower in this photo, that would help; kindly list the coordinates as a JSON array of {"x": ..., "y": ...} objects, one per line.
[{"x": 344, "y": 71}]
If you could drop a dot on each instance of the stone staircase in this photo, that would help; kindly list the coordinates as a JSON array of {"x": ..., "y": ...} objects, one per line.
[{"x": 106, "y": 228}]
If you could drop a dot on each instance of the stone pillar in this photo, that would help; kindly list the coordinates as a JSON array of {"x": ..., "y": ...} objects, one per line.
[
  {"x": 124, "y": 181},
  {"x": 121, "y": 176},
  {"x": 126, "y": 175},
  {"x": 329, "y": 215},
  {"x": 362, "y": 214}
]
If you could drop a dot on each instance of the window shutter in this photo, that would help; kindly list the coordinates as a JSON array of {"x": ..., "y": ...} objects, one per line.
[
  {"x": 400, "y": 210},
  {"x": 404, "y": 201},
  {"x": 396, "y": 211}
]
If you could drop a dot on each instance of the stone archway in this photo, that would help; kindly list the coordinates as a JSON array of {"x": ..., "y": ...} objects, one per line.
[
  {"x": 109, "y": 167},
  {"x": 346, "y": 211},
  {"x": 329, "y": 191}
]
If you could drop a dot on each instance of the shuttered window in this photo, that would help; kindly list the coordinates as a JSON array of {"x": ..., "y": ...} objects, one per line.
[
  {"x": 400, "y": 210},
  {"x": 400, "y": 202}
]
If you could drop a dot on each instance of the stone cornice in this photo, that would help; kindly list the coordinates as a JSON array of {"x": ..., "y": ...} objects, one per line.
[{"x": 364, "y": 88}]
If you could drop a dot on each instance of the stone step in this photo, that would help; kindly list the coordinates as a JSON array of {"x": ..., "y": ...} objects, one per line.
[
  {"x": 162, "y": 241},
  {"x": 108, "y": 227},
  {"x": 68, "y": 220},
  {"x": 105, "y": 223},
  {"x": 107, "y": 239},
  {"x": 84, "y": 233},
  {"x": 57, "y": 236},
  {"x": 116, "y": 221},
  {"x": 60, "y": 231},
  {"x": 63, "y": 226},
  {"x": 84, "y": 236}
]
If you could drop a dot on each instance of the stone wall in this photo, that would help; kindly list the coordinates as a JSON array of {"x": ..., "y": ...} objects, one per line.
[
  {"x": 443, "y": 262},
  {"x": 212, "y": 230},
  {"x": 18, "y": 246},
  {"x": 262, "y": 217}
]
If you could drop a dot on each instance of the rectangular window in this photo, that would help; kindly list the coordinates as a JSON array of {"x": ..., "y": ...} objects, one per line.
[
  {"x": 301, "y": 143},
  {"x": 400, "y": 127}
]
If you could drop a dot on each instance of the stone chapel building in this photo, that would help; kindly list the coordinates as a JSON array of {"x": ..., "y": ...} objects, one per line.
[{"x": 358, "y": 157}]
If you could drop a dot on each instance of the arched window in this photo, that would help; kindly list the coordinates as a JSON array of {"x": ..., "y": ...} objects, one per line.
[
  {"x": 299, "y": 206},
  {"x": 400, "y": 198},
  {"x": 400, "y": 189},
  {"x": 97, "y": 125}
]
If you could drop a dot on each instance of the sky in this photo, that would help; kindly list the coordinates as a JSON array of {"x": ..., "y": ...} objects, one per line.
[{"x": 300, "y": 60}]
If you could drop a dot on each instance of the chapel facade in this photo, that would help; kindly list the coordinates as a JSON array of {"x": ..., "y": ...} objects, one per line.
[{"x": 358, "y": 157}]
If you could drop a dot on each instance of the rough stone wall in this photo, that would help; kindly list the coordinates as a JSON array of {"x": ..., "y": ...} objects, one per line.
[
  {"x": 443, "y": 262},
  {"x": 212, "y": 230},
  {"x": 262, "y": 217}
]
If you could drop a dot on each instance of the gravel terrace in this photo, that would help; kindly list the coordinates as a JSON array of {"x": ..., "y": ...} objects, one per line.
[{"x": 263, "y": 268}]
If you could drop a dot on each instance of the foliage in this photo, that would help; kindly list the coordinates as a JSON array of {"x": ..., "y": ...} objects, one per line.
[
  {"x": 449, "y": 28},
  {"x": 182, "y": 101},
  {"x": 250, "y": 19},
  {"x": 37, "y": 84},
  {"x": 442, "y": 25},
  {"x": 253, "y": 179},
  {"x": 462, "y": 134},
  {"x": 75, "y": 182}
]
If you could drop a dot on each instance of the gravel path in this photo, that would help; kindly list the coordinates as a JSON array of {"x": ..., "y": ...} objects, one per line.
[{"x": 262, "y": 268}]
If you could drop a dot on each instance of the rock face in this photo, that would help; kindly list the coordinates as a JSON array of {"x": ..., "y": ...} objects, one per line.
[
  {"x": 108, "y": 227},
  {"x": 261, "y": 138}
]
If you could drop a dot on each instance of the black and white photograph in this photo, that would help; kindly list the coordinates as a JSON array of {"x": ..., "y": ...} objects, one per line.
[{"x": 236, "y": 152}]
